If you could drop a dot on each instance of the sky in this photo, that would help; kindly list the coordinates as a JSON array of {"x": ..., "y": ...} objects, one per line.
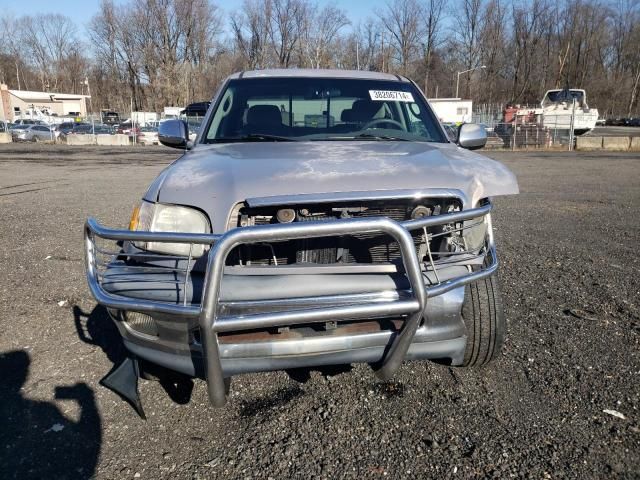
[{"x": 81, "y": 11}]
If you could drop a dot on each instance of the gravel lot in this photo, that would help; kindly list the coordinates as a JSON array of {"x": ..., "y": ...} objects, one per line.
[{"x": 570, "y": 274}]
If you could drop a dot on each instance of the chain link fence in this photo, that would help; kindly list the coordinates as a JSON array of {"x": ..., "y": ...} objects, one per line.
[
  {"x": 516, "y": 135},
  {"x": 530, "y": 129}
]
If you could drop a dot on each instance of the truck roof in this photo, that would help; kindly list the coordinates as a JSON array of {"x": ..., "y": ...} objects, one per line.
[{"x": 317, "y": 73}]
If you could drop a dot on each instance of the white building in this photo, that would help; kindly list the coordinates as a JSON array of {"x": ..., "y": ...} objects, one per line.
[
  {"x": 25, "y": 104},
  {"x": 171, "y": 112},
  {"x": 452, "y": 110}
]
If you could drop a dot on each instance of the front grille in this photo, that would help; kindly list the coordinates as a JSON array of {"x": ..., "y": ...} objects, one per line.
[{"x": 372, "y": 248}]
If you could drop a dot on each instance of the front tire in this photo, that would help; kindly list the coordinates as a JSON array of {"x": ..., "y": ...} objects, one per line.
[{"x": 484, "y": 320}]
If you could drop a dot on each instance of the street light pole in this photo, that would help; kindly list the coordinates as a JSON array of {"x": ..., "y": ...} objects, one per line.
[
  {"x": 93, "y": 125},
  {"x": 90, "y": 112},
  {"x": 465, "y": 71}
]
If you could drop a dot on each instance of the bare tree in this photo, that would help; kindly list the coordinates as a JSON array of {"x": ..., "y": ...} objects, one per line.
[
  {"x": 401, "y": 19},
  {"x": 320, "y": 28},
  {"x": 164, "y": 45},
  {"x": 285, "y": 28},
  {"x": 112, "y": 33},
  {"x": 360, "y": 48},
  {"x": 468, "y": 20},
  {"x": 11, "y": 59},
  {"x": 431, "y": 38},
  {"x": 47, "y": 40},
  {"x": 493, "y": 38},
  {"x": 171, "y": 52},
  {"x": 528, "y": 26},
  {"x": 632, "y": 57},
  {"x": 623, "y": 60},
  {"x": 250, "y": 27}
]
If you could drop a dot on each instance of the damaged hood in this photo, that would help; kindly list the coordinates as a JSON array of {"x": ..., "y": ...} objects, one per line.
[{"x": 216, "y": 177}]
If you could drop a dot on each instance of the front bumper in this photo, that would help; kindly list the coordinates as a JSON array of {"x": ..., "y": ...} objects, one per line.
[{"x": 223, "y": 325}]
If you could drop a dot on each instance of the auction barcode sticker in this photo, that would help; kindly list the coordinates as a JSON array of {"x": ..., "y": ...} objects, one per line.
[{"x": 382, "y": 95}]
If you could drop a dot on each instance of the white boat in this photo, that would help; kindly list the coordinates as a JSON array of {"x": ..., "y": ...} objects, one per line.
[
  {"x": 559, "y": 106},
  {"x": 42, "y": 115}
]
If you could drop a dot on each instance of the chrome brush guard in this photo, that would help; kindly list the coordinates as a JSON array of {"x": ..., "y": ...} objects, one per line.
[{"x": 210, "y": 320}]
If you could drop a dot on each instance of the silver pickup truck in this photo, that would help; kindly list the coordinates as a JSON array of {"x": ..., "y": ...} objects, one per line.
[{"x": 320, "y": 217}]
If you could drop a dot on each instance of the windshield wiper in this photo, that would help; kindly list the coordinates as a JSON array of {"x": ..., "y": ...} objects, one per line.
[
  {"x": 377, "y": 136},
  {"x": 256, "y": 137}
]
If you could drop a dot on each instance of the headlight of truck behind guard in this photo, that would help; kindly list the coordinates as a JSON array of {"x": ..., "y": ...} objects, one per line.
[{"x": 157, "y": 217}]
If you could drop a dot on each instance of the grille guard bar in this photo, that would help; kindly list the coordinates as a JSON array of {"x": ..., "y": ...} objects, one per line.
[{"x": 207, "y": 312}]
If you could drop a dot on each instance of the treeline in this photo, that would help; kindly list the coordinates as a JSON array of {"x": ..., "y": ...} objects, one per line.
[{"x": 156, "y": 53}]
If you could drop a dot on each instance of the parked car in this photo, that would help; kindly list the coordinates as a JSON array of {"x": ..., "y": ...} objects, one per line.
[
  {"x": 62, "y": 129},
  {"x": 634, "y": 122},
  {"x": 28, "y": 121},
  {"x": 128, "y": 129},
  {"x": 81, "y": 129},
  {"x": 617, "y": 122},
  {"x": 110, "y": 118},
  {"x": 148, "y": 136},
  {"x": 32, "y": 133},
  {"x": 104, "y": 130},
  {"x": 320, "y": 217},
  {"x": 13, "y": 126},
  {"x": 66, "y": 129},
  {"x": 87, "y": 129}
]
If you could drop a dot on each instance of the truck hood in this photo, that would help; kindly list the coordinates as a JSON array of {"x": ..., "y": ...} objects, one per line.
[{"x": 216, "y": 177}]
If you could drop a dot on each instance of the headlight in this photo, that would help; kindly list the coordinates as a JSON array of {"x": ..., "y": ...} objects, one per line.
[{"x": 156, "y": 217}]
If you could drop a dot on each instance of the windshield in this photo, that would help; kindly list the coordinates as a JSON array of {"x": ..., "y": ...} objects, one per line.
[
  {"x": 559, "y": 96},
  {"x": 289, "y": 109}
]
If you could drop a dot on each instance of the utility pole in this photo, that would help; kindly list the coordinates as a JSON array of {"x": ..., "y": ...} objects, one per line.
[
  {"x": 86, "y": 82},
  {"x": 133, "y": 128},
  {"x": 572, "y": 125},
  {"x": 93, "y": 126},
  {"x": 382, "y": 49},
  {"x": 465, "y": 71}
]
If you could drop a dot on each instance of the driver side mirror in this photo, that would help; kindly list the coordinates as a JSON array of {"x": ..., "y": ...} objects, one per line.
[
  {"x": 174, "y": 133},
  {"x": 471, "y": 136}
]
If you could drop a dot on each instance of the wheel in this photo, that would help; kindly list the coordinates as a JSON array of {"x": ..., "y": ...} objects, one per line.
[
  {"x": 484, "y": 320},
  {"x": 36, "y": 139}
]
